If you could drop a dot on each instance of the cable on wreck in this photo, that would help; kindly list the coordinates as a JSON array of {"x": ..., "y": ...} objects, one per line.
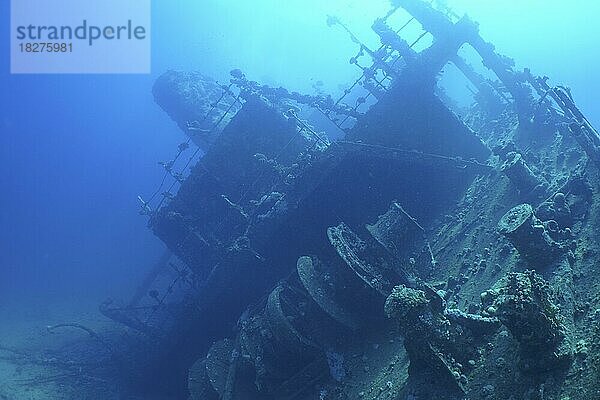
[
  {"x": 460, "y": 162},
  {"x": 52, "y": 328}
]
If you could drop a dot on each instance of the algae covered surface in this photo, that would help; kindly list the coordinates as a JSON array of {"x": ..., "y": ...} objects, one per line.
[{"x": 395, "y": 239}]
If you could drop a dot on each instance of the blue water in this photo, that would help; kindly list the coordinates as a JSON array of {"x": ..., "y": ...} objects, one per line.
[{"x": 77, "y": 150}]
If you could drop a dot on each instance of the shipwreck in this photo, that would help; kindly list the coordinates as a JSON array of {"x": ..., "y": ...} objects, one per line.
[{"x": 432, "y": 242}]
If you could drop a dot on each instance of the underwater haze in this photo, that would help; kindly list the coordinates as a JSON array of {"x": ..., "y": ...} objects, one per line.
[{"x": 77, "y": 150}]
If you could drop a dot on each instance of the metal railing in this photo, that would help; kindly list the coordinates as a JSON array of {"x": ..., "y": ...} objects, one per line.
[
  {"x": 378, "y": 71},
  {"x": 165, "y": 190}
]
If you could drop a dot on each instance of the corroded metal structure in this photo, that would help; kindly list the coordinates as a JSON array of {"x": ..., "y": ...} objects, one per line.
[{"x": 288, "y": 247}]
